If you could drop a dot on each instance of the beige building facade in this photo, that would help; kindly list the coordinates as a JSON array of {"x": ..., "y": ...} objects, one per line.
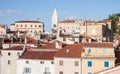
[
  {"x": 93, "y": 29},
  {"x": 97, "y": 57},
  {"x": 3, "y": 30},
  {"x": 33, "y": 28}
]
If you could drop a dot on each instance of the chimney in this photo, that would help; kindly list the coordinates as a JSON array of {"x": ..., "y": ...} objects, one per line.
[{"x": 58, "y": 45}]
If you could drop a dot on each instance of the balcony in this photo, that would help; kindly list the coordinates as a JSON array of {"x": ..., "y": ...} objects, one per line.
[{"x": 47, "y": 73}]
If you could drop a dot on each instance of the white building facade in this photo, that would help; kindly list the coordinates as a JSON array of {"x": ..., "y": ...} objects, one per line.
[
  {"x": 36, "y": 62},
  {"x": 68, "y": 60},
  {"x": 9, "y": 59}
]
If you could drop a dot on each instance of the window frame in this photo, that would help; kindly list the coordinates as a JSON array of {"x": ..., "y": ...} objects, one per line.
[
  {"x": 60, "y": 62},
  {"x": 89, "y": 63},
  {"x": 106, "y": 64},
  {"x": 76, "y": 63}
]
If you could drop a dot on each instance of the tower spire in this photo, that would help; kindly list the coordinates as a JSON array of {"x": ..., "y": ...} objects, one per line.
[{"x": 54, "y": 20}]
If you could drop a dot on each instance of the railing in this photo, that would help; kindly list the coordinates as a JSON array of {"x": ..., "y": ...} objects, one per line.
[{"x": 47, "y": 73}]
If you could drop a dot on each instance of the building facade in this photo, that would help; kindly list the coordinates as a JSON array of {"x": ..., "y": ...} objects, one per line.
[
  {"x": 93, "y": 29},
  {"x": 9, "y": 59},
  {"x": 68, "y": 60},
  {"x": 97, "y": 57},
  {"x": 33, "y": 28},
  {"x": 36, "y": 62},
  {"x": 3, "y": 30}
]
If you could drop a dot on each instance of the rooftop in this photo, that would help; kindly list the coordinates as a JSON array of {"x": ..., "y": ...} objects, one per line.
[
  {"x": 70, "y": 51},
  {"x": 102, "y": 44},
  {"x": 68, "y": 21},
  {"x": 15, "y": 48},
  {"x": 28, "y": 21},
  {"x": 39, "y": 55}
]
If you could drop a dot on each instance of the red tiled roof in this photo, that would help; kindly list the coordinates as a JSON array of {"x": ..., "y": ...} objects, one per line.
[
  {"x": 90, "y": 21},
  {"x": 43, "y": 55},
  {"x": 28, "y": 21},
  {"x": 47, "y": 45},
  {"x": 104, "y": 21},
  {"x": 70, "y": 51},
  {"x": 102, "y": 44},
  {"x": 84, "y": 35},
  {"x": 68, "y": 21},
  {"x": 15, "y": 48}
]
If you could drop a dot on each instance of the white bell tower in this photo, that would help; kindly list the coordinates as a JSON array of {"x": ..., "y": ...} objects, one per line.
[{"x": 54, "y": 20}]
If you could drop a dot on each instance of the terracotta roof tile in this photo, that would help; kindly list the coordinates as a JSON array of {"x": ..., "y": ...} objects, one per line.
[
  {"x": 68, "y": 21},
  {"x": 104, "y": 21},
  {"x": 70, "y": 51},
  {"x": 15, "y": 48},
  {"x": 28, "y": 21},
  {"x": 47, "y": 45},
  {"x": 42, "y": 55},
  {"x": 102, "y": 44}
]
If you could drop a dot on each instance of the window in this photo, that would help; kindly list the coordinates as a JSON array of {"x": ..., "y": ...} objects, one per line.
[
  {"x": 25, "y": 25},
  {"x": 54, "y": 25},
  {"x": 31, "y": 26},
  {"x": 27, "y": 70},
  {"x": 64, "y": 39},
  {"x": 104, "y": 50},
  {"x": 61, "y": 63},
  {"x": 60, "y": 27},
  {"x": 89, "y": 73},
  {"x": 89, "y": 63},
  {"x": 39, "y": 25},
  {"x": 18, "y": 54},
  {"x": 76, "y": 63},
  {"x": 52, "y": 62},
  {"x": 42, "y": 62},
  {"x": 106, "y": 64},
  {"x": 27, "y": 62},
  {"x": 21, "y": 25},
  {"x": 96, "y": 50},
  {"x": 76, "y": 73},
  {"x": 17, "y": 25},
  {"x": 35, "y": 25},
  {"x": 8, "y": 53},
  {"x": 47, "y": 69},
  {"x": 60, "y": 72},
  {"x": 89, "y": 51},
  {"x": 9, "y": 62}
]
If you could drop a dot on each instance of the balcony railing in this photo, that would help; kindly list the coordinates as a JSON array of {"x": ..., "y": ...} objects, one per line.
[{"x": 47, "y": 73}]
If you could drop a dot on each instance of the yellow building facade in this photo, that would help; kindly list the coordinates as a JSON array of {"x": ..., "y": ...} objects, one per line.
[{"x": 97, "y": 57}]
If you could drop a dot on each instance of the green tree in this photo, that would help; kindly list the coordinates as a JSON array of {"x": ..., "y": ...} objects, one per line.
[{"x": 115, "y": 19}]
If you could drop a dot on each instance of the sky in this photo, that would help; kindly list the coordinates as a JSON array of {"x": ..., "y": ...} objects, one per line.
[{"x": 42, "y": 10}]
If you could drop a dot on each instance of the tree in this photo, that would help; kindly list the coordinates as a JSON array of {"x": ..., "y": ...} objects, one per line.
[{"x": 115, "y": 19}]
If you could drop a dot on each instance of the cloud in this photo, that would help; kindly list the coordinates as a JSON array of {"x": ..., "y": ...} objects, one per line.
[{"x": 9, "y": 12}]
